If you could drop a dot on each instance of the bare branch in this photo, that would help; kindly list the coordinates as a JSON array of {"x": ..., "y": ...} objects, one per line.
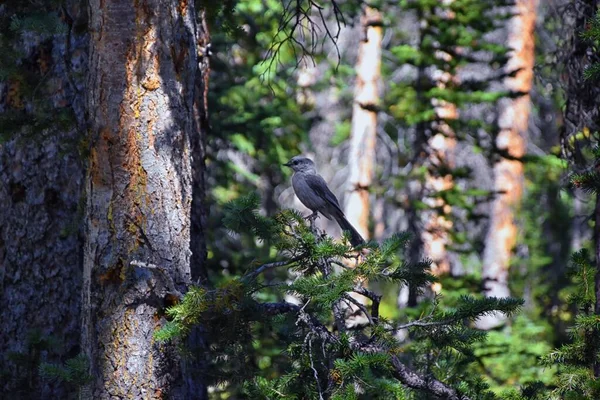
[
  {"x": 252, "y": 275},
  {"x": 312, "y": 366},
  {"x": 298, "y": 29},
  {"x": 374, "y": 297},
  {"x": 360, "y": 307}
]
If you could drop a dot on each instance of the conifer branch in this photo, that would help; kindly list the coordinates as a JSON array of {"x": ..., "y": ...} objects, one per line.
[
  {"x": 425, "y": 383},
  {"x": 350, "y": 356},
  {"x": 401, "y": 372}
]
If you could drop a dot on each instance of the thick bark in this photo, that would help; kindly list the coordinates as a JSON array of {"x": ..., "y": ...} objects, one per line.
[
  {"x": 364, "y": 122},
  {"x": 41, "y": 177},
  {"x": 143, "y": 70},
  {"x": 508, "y": 172}
]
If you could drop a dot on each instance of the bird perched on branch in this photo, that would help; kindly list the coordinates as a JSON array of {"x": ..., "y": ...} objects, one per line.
[{"x": 312, "y": 190}]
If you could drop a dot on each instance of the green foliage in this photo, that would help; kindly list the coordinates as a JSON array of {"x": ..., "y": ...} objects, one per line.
[
  {"x": 428, "y": 103},
  {"x": 243, "y": 214},
  {"x": 74, "y": 371},
  {"x": 257, "y": 122},
  {"x": 31, "y": 365},
  {"x": 322, "y": 355},
  {"x": 592, "y": 34},
  {"x": 576, "y": 361},
  {"x": 588, "y": 181},
  {"x": 512, "y": 355},
  {"x": 38, "y": 22},
  {"x": 221, "y": 14}
]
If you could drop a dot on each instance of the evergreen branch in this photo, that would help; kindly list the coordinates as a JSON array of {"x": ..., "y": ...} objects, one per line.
[
  {"x": 339, "y": 264},
  {"x": 400, "y": 371},
  {"x": 426, "y": 383}
]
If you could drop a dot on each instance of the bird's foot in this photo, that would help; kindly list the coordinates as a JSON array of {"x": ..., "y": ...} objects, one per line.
[{"x": 312, "y": 217}]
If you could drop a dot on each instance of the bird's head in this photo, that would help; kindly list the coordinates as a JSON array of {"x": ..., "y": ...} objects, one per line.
[{"x": 301, "y": 164}]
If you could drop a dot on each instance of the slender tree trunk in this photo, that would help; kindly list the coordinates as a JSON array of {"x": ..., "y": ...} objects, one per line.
[
  {"x": 363, "y": 134},
  {"x": 143, "y": 69},
  {"x": 508, "y": 173},
  {"x": 364, "y": 121},
  {"x": 437, "y": 154},
  {"x": 581, "y": 112},
  {"x": 442, "y": 147},
  {"x": 195, "y": 368}
]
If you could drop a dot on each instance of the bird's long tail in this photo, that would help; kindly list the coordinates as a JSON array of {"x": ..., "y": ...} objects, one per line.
[{"x": 355, "y": 237}]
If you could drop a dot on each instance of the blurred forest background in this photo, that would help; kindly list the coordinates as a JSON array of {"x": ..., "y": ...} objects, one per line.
[{"x": 471, "y": 125}]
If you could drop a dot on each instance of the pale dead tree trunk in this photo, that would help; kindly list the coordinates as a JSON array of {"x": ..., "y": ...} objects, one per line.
[
  {"x": 364, "y": 121},
  {"x": 508, "y": 172},
  {"x": 363, "y": 133},
  {"x": 143, "y": 67}
]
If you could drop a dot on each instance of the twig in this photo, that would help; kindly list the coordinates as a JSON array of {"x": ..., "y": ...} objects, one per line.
[
  {"x": 268, "y": 266},
  {"x": 374, "y": 297},
  {"x": 312, "y": 366},
  {"x": 340, "y": 264},
  {"x": 360, "y": 306},
  {"x": 423, "y": 324},
  {"x": 294, "y": 21}
]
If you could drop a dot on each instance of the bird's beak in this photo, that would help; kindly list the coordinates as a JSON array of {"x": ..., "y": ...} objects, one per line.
[{"x": 287, "y": 164}]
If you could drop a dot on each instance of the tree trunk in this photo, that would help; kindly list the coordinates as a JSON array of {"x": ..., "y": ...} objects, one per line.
[
  {"x": 143, "y": 69},
  {"x": 442, "y": 147},
  {"x": 508, "y": 173},
  {"x": 364, "y": 121},
  {"x": 437, "y": 154},
  {"x": 41, "y": 177},
  {"x": 581, "y": 113}
]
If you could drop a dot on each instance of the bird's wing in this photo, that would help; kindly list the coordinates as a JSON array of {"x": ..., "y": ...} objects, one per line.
[{"x": 319, "y": 186}]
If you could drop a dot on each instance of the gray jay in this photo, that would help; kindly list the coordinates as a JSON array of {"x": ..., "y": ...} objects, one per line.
[{"x": 313, "y": 192}]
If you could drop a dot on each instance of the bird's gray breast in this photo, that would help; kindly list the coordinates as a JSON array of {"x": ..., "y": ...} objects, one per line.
[{"x": 306, "y": 194}]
